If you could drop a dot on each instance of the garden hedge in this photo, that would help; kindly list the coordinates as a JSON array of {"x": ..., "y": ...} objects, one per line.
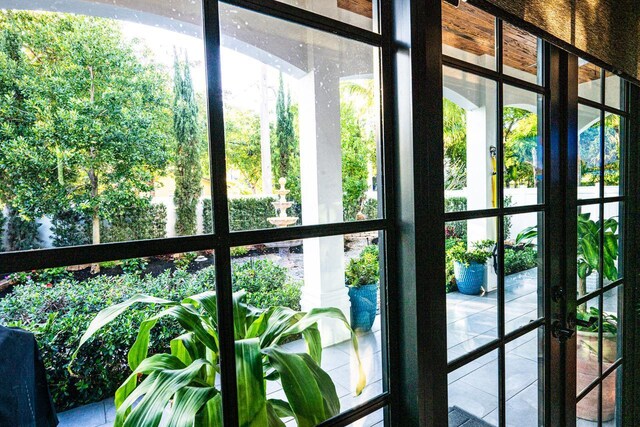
[
  {"x": 73, "y": 228},
  {"x": 59, "y": 313},
  {"x": 245, "y": 213}
]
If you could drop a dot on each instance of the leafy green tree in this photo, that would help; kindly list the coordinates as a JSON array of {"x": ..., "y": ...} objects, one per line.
[
  {"x": 358, "y": 152},
  {"x": 455, "y": 145},
  {"x": 285, "y": 154},
  {"x": 520, "y": 145},
  {"x": 188, "y": 171},
  {"x": 242, "y": 138},
  {"x": 84, "y": 122}
]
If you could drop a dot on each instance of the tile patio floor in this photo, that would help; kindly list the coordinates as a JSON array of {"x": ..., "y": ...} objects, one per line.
[{"x": 472, "y": 321}]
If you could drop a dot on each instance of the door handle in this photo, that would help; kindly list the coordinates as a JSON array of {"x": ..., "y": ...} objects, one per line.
[{"x": 560, "y": 332}]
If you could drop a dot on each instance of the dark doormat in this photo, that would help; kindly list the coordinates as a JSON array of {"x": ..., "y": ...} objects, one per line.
[{"x": 461, "y": 418}]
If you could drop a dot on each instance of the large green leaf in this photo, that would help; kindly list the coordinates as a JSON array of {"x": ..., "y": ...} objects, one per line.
[
  {"x": 300, "y": 385},
  {"x": 208, "y": 301},
  {"x": 252, "y": 409},
  {"x": 211, "y": 416},
  {"x": 166, "y": 384},
  {"x": 312, "y": 317},
  {"x": 280, "y": 319},
  {"x": 314, "y": 343},
  {"x": 187, "y": 403},
  {"x": 327, "y": 388},
  {"x": 147, "y": 366}
]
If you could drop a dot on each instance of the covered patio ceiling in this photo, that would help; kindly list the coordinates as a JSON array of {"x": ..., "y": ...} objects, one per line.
[{"x": 465, "y": 27}]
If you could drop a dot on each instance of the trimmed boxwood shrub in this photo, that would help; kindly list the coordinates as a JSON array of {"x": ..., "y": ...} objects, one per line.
[
  {"x": 73, "y": 228},
  {"x": 267, "y": 284},
  {"x": 456, "y": 228},
  {"x": 59, "y": 313},
  {"x": 516, "y": 260},
  {"x": 70, "y": 228},
  {"x": 245, "y": 213},
  {"x": 136, "y": 223},
  {"x": 3, "y": 220},
  {"x": 22, "y": 234}
]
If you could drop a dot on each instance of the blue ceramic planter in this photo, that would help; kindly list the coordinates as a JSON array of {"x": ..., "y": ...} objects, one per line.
[
  {"x": 364, "y": 306},
  {"x": 469, "y": 278}
]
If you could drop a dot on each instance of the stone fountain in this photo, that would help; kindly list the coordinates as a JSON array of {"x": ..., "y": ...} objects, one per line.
[
  {"x": 283, "y": 220},
  {"x": 281, "y": 206}
]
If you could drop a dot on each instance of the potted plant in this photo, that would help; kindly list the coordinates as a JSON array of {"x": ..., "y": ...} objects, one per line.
[
  {"x": 361, "y": 277},
  {"x": 469, "y": 266},
  {"x": 180, "y": 386},
  {"x": 587, "y": 337}
]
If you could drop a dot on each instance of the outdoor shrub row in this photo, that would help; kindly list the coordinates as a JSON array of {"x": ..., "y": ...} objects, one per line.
[
  {"x": 73, "y": 228},
  {"x": 520, "y": 259},
  {"x": 245, "y": 213},
  {"x": 59, "y": 312}
]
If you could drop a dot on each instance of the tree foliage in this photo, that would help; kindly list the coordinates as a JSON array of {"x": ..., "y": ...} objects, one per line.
[
  {"x": 84, "y": 122},
  {"x": 286, "y": 154},
  {"x": 188, "y": 172},
  {"x": 358, "y": 152},
  {"x": 520, "y": 145},
  {"x": 455, "y": 145},
  {"x": 22, "y": 233},
  {"x": 242, "y": 138}
]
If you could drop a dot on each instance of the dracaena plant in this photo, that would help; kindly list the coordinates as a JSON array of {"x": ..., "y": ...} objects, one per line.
[
  {"x": 589, "y": 253},
  {"x": 182, "y": 383}
]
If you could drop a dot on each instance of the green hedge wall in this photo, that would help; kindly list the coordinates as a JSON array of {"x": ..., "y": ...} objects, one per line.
[
  {"x": 246, "y": 213},
  {"x": 72, "y": 228}
]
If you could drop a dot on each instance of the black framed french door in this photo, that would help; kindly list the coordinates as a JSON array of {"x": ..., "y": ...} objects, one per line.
[{"x": 509, "y": 353}]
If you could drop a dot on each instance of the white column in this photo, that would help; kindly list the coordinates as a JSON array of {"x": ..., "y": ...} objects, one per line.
[
  {"x": 481, "y": 136},
  {"x": 265, "y": 136},
  {"x": 321, "y": 185}
]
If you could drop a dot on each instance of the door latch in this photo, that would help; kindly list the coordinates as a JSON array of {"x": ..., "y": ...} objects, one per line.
[{"x": 560, "y": 332}]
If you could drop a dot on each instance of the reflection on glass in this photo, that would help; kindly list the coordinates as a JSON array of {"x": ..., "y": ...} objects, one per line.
[
  {"x": 67, "y": 299},
  {"x": 473, "y": 392},
  {"x": 614, "y": 89},
  {"x": 588, "y": 260},
  {"x": 468, "y": 34},
  {"x": 587, "y": 349},
  {"x": 363, "y": 14},
  {"x": 589, "y": 81},
  {"x": 520, "y": 54},
  {"x": 523, "y": 150},
  {"x": 587, "y": 409},
  {"x": 522, "y": 270},
  {"x": 524, "y": 380},
  {"x": 612, "y": 327},
  {"x": 469, "y": 141},
  {"x": 588, "y": 152},
  {"x": 300, "y": 104},
  {"x": 618, "y": 378},
  {"x": 93, "y": 155},
  {"x": 375, "y": 419},
  {"x": 341, "y": 272},
  {"x": 471, "y": 282},
  {"x": 612, "y": 155}
]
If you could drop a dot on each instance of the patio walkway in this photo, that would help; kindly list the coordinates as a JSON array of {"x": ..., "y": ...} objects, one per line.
[{"x": 471, "y": 322}]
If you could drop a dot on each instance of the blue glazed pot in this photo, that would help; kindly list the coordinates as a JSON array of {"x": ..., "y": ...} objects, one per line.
[
  {"x": 364, "y": 306},
  {"x": 469, "y": 278}
]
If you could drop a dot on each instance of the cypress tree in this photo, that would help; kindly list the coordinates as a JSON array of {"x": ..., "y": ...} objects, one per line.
[
  {"x": 188, "y": 173},
  {"x": 286, "y": 163}
]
